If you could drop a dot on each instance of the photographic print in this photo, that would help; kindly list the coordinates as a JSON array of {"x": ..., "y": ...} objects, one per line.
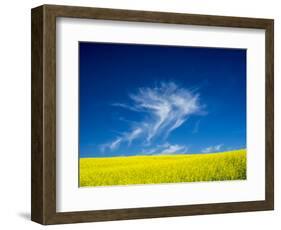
[{"x": 152, "y": 114}]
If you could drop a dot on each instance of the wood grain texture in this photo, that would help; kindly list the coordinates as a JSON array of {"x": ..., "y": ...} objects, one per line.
[
  {"x": 269, "y": 116},
  {"x": 44, "y": 114},
  {"x": 37, "y": 116}
]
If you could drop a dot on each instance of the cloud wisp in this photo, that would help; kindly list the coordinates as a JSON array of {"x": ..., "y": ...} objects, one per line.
[
  {"x": 214, "y": 148},
  {"x": 170, "y": 149},
  {"x": 165, "y": 108},
  {"x": 196, "y": 127},
  {"x": 166, "y": 148}
]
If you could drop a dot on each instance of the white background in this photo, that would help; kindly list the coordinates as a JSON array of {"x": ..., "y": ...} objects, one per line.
[{"x": 15, "y": 114}]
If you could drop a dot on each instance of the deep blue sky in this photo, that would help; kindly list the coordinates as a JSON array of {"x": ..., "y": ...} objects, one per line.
[{"x": 150, "y": 99}]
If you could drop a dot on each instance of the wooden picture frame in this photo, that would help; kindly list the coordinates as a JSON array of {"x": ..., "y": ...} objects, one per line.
[{"x": 43, "y": 189}]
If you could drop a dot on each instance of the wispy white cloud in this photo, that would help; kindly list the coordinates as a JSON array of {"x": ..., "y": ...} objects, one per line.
[
  {"x": 210, "y": 149},
  {"x": 166, "y": 108},
  {"x": 166, "y": 148},
  {"x": 125, "y": 137},
  {"x": 170, "y": 149},
  {"x": 111, "y": 145},
  {"x": 196, "y": 127},
  {"x": 135, "y": 133},
  {"x": 125, "y": 106}
]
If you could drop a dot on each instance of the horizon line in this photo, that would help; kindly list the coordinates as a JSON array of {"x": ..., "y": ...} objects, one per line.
[{"x": 169, "y": 154}]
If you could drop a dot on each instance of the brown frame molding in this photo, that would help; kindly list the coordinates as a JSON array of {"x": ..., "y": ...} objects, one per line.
[{"x": 43, "y": 159}]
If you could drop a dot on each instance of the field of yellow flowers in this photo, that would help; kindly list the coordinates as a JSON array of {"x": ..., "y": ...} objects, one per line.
[{"x": 172, "y": 168}]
